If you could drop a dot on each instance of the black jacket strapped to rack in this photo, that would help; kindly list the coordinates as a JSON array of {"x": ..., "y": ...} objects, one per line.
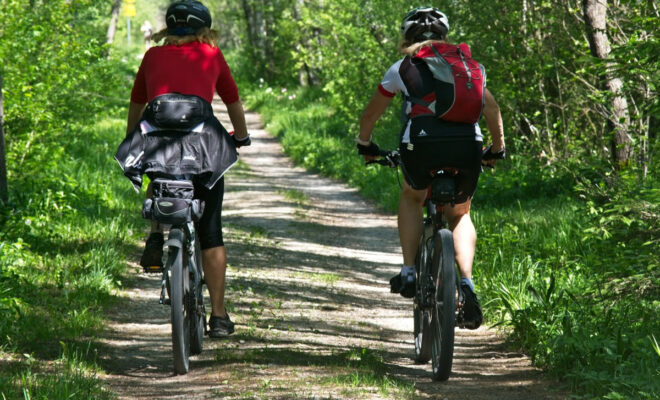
[{"x": 202, "y": 149}]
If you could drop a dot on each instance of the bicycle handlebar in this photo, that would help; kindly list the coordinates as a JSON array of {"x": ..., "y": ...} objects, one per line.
[{"x": 390, "y": 159}]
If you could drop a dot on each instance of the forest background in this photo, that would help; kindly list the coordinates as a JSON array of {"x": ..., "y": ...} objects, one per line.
[{"x": 568, "y": 225}]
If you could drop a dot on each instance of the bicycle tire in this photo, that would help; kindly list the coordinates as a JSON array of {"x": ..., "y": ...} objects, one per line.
[
  {"x": 444, "y": 312},
  {"x": 422, "y": 316},
  {"x": 179, "y": 287},
  {"x": 198, "y": 319}
]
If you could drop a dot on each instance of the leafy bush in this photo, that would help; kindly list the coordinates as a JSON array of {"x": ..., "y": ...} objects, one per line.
[{"x": 70, "y": 219}]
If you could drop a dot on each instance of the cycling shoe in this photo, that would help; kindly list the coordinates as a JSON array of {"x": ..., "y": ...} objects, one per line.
[
  {"x": 152, "y": 258},
  {"x": 405, "y": 287},
  {"x": 470, "y": 316}
]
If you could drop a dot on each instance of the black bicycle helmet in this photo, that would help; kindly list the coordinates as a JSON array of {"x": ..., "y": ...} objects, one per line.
[
  {"x": 424, "y": 23},
  {"x": 187, "y": 17}
]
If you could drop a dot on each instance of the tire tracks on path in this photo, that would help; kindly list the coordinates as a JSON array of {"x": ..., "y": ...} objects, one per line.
[{"x": 308, "y": 289}]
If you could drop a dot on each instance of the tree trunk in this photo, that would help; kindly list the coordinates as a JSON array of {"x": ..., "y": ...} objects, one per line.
[
  {"x": 257, "y": 33},
  {"x": 112, "y": 28},
  {"x": 4, "y": 192},
  {"x": 595, "y": 13}
]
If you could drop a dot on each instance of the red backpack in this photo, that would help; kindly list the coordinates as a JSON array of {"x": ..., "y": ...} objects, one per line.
[{"x": 459, "y": 87}]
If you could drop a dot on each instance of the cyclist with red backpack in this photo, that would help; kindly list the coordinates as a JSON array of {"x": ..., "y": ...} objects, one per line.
[{"x": 445, "y": 94}]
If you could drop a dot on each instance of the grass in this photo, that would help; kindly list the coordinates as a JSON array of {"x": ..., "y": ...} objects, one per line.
[
  {"x": 72, "y": 224},
  {"x": 351, "y": 373},
  {"x": 295, "y": 196},
  {"x": 326, "y": 278}
]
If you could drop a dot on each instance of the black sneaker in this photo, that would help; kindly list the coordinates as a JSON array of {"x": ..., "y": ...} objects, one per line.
[
  {"x": 470, "y": 316},
  {"x": 405, "y": 288},
  {"x": 220, "y": 327},
  {"x": 152, "y": 258}
]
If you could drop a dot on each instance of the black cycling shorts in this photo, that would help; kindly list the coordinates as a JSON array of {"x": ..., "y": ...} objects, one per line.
[
  {"x": 209, "y": 227},
  {"x": 461, "y": 154}
]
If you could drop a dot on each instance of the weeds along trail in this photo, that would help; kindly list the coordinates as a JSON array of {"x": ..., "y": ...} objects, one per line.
[{"x": 307, "y": 287}]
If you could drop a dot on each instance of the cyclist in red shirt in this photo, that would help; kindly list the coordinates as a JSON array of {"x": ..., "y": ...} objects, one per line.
[
  {"x": 190, "y": 63},
  {"x": 427, "y": 143}
]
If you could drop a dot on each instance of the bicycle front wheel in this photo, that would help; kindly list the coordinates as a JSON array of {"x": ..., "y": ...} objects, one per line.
[
  {"x": 444, "y": 311},
  {"x": 179, "y": 280}
]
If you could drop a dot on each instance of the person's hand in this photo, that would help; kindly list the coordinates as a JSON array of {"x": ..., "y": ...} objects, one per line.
[
  {"x": 489, "y": 158},
  {"x": 370, "y": 152},
  {"x": 246, "y": 141}
]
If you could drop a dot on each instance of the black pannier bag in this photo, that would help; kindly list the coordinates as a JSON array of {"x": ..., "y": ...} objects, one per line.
[
  {"x": 178, "y": 111},
  {"x": 173, "y": 203}
]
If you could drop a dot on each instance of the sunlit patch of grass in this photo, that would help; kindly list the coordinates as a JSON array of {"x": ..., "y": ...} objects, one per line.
[
  {"x": 295, "y": 196},
  {"x": 349, "y": 372},
  {"x": 71, "y": 376},
  {"x": 328, "y": 278},
  {"x": 63, "y": 255},
  {"x": 249, "y": 237}
]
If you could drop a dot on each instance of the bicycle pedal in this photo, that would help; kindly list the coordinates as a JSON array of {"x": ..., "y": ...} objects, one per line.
[{"x": 153, "y": 269}]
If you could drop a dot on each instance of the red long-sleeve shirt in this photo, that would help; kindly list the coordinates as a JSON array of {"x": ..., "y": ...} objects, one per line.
[{"x": 193, "y": 68}]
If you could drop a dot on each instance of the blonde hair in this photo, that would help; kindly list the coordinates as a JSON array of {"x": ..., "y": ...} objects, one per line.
[
  {"x": 203, "y": 35},
  {"x": 410, "y": 48}
]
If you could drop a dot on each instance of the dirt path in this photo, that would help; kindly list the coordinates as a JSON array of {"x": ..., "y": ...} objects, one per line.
[{"x": 309, "y": 265}]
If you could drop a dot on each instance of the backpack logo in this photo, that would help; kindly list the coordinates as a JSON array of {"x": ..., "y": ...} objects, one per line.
[{"x": 422, "y": 133}]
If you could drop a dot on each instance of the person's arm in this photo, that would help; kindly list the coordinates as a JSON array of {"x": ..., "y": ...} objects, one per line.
[
  {"x": 237, "y": 117},
  {"x": 135, "y": 111},
  {"x": 374, "y": 110},
  {"x": 494, "y": 122}
]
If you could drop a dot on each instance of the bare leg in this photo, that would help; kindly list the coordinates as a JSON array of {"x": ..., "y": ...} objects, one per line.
[
  {"x": 465, "y": 236},
  {"x": 214, "y": 261},
  {"x": 410, "y": 222}
]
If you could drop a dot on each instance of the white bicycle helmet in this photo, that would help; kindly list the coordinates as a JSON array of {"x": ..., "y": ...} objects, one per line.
[{"x": 424, "y": 23}]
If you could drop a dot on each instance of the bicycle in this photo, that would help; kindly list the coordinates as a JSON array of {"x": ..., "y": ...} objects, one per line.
[
  {"x": 438, "y": 297},
  {"x": 182, "y": 283},
  {"x": 438, "y": 301}
]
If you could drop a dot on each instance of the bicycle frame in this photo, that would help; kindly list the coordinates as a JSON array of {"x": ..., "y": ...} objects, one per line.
[
  {"x": 174, "y": 204},
  {"x": 438, "y": 298},
  {"x": 440, "y": 193}
]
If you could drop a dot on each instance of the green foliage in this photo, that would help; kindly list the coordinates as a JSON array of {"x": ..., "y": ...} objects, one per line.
[
  {"x": 567, "y": 252},
  {"x": 70, "y": 219},
  {"x": 64, "y": 237},
  {"x": 576, "y": 279}
]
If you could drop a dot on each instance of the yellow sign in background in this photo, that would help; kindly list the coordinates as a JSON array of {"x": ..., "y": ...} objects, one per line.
[{"x": 129, "y": 9}]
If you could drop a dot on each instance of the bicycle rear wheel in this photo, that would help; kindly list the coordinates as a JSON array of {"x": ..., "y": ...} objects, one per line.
[
  {"x": 422, "y": 316},
  {"x": 179, "y": 280},
  {"x": 444, "y": 312},
  {"x": 196, "y": 304}
]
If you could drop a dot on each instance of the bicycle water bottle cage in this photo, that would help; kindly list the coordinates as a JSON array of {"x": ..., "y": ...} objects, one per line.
[
  {"x": 443, "y": 187},
  {"x": 173, "y": 203}
]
